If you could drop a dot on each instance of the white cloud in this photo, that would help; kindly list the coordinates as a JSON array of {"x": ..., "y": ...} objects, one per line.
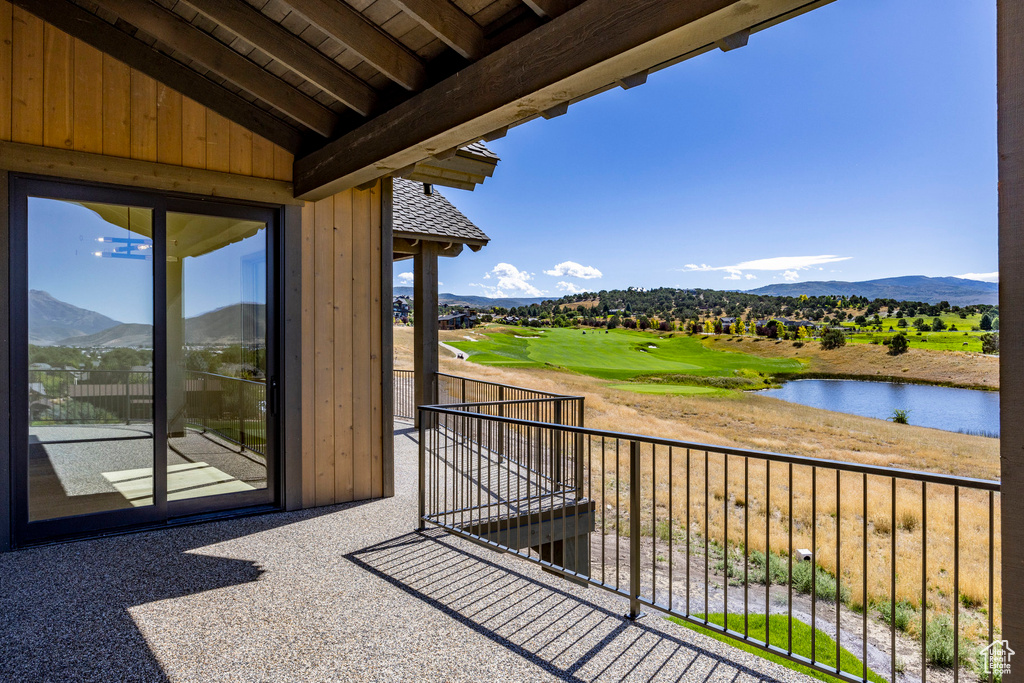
[
  {"x": 511, "y": 281},
  {"x": 984, "y": 277},
  {"x": 790, "y": 264},
  {"x": 750, "y": 276},
  {"x": 791, "y": 276},
  {"x": 776, "y": 263},
  {"x": 573, "y": 269},
  {"x": 405, "y": 278},
  {"x": 570, "y": 288}
]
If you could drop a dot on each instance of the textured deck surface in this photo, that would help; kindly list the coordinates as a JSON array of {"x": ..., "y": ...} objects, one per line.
[{"x": 333, "y": 594}]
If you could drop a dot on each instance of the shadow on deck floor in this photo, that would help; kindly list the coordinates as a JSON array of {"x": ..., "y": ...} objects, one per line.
[
  {"x": 570, "y": 638},
  {"x": 331, "y": 594}
]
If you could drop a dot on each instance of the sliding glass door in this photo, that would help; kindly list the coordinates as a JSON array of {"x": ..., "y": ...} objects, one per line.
[
  {"x": 141, "y": 358},
  {"x": 218, "y": 384}
]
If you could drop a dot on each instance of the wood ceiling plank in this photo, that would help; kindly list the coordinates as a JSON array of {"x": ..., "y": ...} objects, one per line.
[
  {"x": 289, "y": 49},
  {"x": 351, "y": 28},
  {"x": 115, "y": 43},
  {"x": 450, "y": 24},
  {"x": 170, "y": 28},
  {"x": 549, "y": 8}
]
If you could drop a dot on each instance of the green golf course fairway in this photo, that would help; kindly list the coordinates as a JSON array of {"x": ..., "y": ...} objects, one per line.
[{"x": 616, "y": 354}]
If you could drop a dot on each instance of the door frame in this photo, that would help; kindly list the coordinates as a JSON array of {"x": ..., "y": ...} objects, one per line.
[{"x": 18, "y": 190}]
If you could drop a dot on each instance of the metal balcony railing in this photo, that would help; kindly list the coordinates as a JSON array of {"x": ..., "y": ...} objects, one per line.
[
  {"x": 232, "y": 408},
  {"x": 694, "y": 530},
  {"x": 454, "y": 389}
]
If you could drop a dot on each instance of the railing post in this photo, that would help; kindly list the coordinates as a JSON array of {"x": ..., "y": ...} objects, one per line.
[
  {"x": 556, "y": 446},
  {"x": 422, "y": 486},
  {"x": 634, "y": 532},
  {"x": 501, "y": 425},
  {"x": 578, "y": 448}
]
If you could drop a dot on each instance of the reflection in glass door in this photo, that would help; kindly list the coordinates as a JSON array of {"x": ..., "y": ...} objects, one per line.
[
  {"x": 217, "y": 375},
  {"x": 141, "y": 360},
  {"x": 90, "y": 358}
]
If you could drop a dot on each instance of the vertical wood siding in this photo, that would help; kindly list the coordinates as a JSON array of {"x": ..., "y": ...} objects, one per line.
[
  {"x": 56, "y": 91},
  {"x": 343, "y": 430}
]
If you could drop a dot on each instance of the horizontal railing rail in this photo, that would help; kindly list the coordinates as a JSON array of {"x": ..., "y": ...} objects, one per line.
[
  {"x": 745, "y": 543},
  {"x": 454, "y": 389},
  {"x": 846, "y": 466}
]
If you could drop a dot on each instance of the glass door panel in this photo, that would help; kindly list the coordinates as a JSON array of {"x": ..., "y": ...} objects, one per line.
[
  {"x": 90, "y": 358},
  {"x": 217, "y": 382}
]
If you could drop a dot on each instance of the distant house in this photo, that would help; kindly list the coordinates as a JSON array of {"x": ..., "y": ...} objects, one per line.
[
  {"x": 790, "y": 324},
  {"x": 454, "y": 321},
  {"x": 401, "y": 307}
]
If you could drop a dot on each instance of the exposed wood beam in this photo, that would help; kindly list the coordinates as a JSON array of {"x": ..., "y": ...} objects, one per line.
[
  {"x": 560, "y": 109},
  {"x": 255, "y": 27},
  {"x": 496, "y": 134},
  {"x": 363, "y": 37},
  {"x": 581, "y": 52},
  {"x": 171, "y": 29},
  {"x": 94, "y": 31},
  {"x": 66, "y": 163},
  {"x": 409, "y": 246},
  {"x": 466, "y": 183},
  {"x": 448, "y": 23},
  {"x": 549, "y": 8},
  {"x": 404, "y": 245},
  {"x": 736, "y": 40},
  {"x": 633, "y": 81}
]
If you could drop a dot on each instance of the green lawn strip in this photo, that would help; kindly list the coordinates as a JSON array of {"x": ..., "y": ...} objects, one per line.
[
  {"x": 824, "y": 646},
  {"x": 676, "y": 389},
  {"x": 616, "y": 354}
]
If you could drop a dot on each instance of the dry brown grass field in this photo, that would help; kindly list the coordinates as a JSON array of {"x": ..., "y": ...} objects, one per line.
[
  {"x": 751, "y": 421},
  {"x": 944, "y": 367}
]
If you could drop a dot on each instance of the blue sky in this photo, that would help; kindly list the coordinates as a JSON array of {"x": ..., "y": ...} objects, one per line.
[
  {"x": 63, "y": 262},
  {"x": 854, "y": 142}
]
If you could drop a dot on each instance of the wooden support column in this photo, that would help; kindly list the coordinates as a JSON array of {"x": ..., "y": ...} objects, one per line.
[
  {"x": 1010, "y": 58},
  {"x": 425, "y": 324}
]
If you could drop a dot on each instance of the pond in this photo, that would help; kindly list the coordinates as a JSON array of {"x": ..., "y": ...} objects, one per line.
[{"x": 956, "y": 410}]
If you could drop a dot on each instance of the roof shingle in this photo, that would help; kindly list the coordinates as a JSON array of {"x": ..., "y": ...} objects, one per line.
[{"x": 431, "y": 216}]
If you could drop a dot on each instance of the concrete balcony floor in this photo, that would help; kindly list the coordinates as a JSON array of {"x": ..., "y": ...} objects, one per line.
[{"x": 342, "y": 593}]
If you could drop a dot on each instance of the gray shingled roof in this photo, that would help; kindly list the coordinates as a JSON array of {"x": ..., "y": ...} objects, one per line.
[
  {"x": 480, "y": 149},
  {"x": 431, "y": 217}
]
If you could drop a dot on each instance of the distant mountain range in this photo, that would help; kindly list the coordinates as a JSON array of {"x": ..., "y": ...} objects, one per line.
[
  {"x": 54, "y": 322},
  {"x": 474, "y": 301},
  {"x": 50, "y": 320},
  {"x": 957, "y": 291}
]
